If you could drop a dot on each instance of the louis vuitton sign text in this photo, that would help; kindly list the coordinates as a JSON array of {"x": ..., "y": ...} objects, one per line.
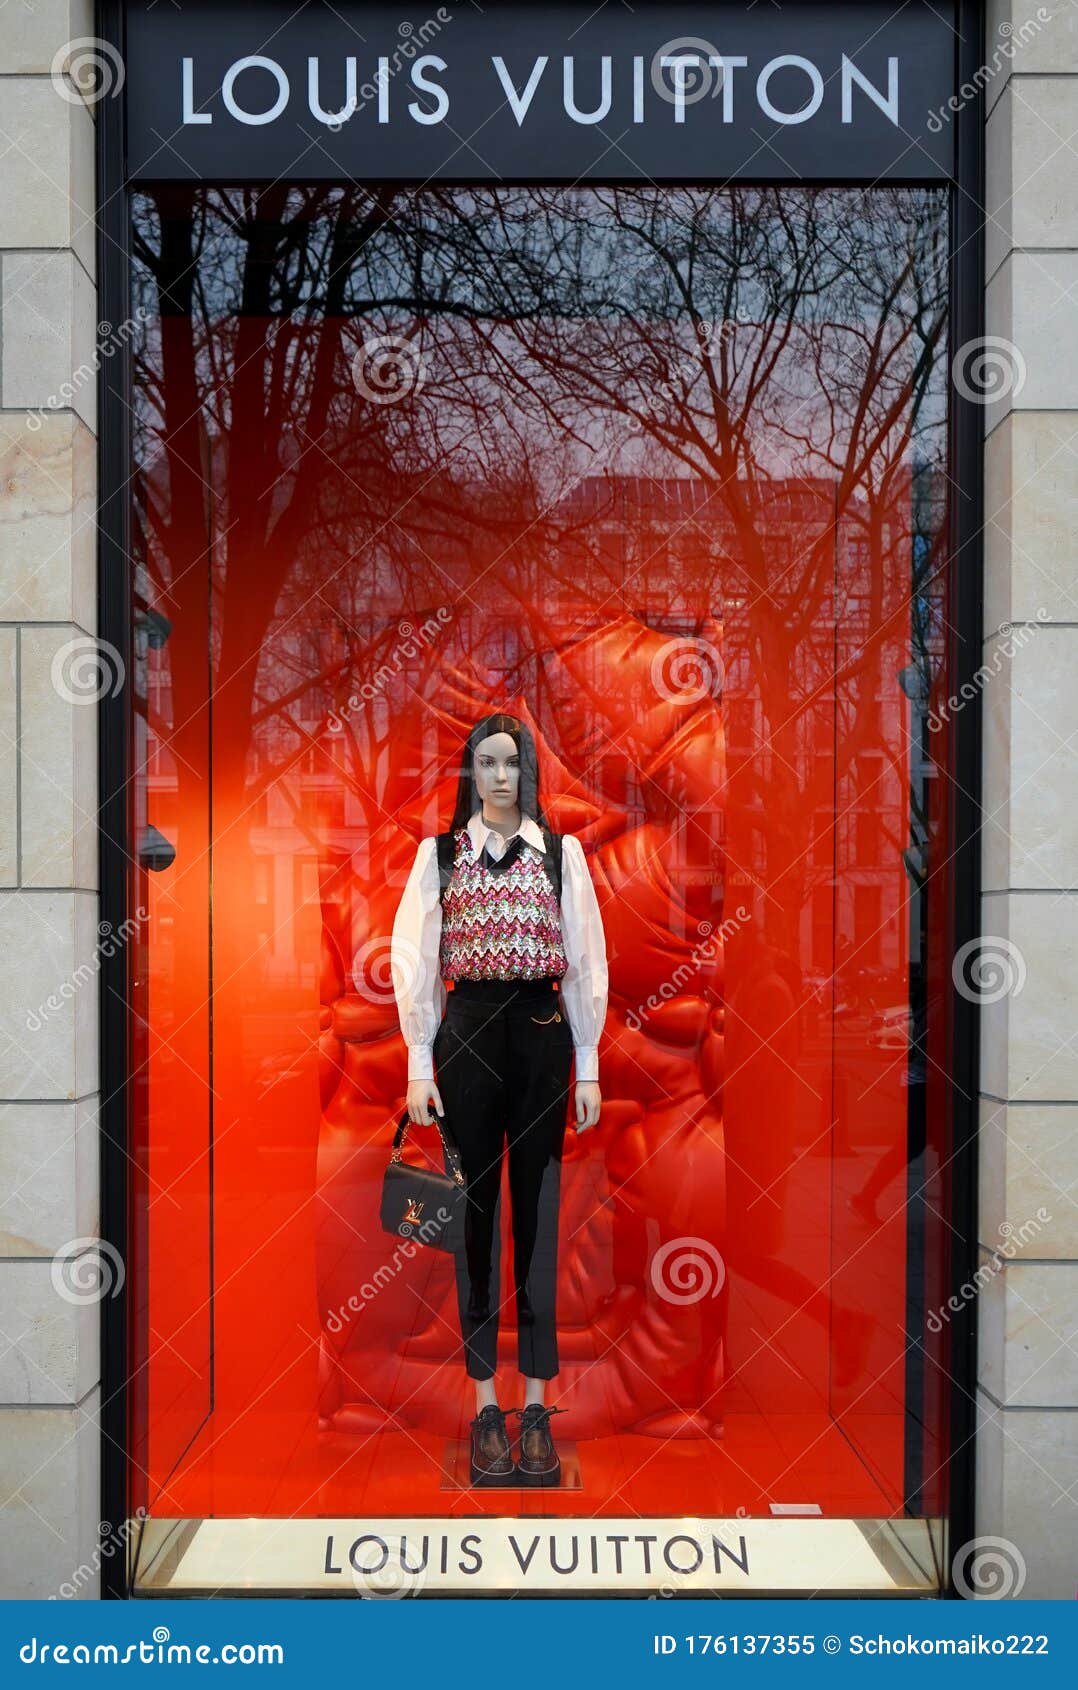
[{"x": 530, "y": 91}]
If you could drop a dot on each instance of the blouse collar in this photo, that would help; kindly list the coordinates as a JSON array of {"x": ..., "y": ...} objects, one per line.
[{"x": 478, "y": 832}]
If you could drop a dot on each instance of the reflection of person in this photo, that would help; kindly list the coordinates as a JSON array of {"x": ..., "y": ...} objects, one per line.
[{"x": 487, "y": 915}]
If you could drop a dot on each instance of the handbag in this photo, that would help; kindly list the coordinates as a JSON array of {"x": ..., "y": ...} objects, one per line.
[{"x": 421, "y": 1203}]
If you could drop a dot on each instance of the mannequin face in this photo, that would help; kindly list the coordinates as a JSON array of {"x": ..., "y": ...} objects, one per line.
[{"x": 496, "y": 768}]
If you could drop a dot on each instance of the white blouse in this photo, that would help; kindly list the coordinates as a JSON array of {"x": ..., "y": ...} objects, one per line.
[{"x": 417, "y": 931}]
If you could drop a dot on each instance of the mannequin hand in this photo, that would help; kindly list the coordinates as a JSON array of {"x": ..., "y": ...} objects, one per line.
[
  {"x": 421, "y": 1093},
  {"x": 588, "y": 1101}
]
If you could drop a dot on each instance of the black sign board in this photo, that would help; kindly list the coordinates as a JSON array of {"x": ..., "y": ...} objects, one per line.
[{"x": 520, "y": 91}]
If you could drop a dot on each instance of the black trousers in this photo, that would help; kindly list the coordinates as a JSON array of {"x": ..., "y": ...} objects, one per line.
[{"x": 502, "y": 1058}]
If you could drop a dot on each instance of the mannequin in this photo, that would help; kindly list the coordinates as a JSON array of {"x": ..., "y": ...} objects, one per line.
[{"x": 530, "y": 993}]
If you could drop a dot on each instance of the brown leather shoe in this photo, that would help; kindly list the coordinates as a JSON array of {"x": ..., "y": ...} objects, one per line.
[
  {"x": 491, "y": 1458},
  {"x": 538, "y": 1462}
]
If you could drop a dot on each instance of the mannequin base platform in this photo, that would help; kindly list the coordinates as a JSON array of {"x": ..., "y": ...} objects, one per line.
[{"x": 456, "y": 1469}]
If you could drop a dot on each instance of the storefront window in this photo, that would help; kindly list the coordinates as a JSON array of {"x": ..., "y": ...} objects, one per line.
[{"x": 662, "y": 471}]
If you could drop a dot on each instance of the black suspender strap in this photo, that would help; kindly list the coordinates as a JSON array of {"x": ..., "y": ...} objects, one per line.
[
  {"x": 552, "y": 860},
  {"x": 446, "y": 852}
]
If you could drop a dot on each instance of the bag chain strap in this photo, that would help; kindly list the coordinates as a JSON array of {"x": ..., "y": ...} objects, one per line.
[{"x": 452, "y": 1155}]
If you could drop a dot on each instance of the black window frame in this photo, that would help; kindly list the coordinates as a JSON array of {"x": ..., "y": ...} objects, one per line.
[{"x": 115, "y": 770}]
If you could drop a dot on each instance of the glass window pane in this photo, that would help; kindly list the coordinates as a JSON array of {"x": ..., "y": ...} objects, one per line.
[{"x": 662, "y": 471}]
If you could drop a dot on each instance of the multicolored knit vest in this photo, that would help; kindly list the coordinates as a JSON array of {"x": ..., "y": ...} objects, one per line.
[{"x": 500, "y": 923}]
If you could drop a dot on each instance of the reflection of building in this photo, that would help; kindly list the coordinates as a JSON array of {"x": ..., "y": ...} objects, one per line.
[
  {"x": 674, "y": 556},
  {"x": 792, "y": 562}
]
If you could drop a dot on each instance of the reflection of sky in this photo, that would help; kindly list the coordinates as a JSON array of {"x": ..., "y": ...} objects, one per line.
[
  {"x": 766, "y": 338},
  {"x": 494, "y": 286}
]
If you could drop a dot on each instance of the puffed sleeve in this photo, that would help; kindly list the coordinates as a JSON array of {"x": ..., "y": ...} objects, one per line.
[
  {"x": 414, "y": 961},
  {"x": 584, "y": 984}
]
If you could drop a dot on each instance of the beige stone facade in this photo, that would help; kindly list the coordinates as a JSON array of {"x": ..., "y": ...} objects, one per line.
[
  {"x": 50, "y": 1509},
  {"x": 1027, "y": 1446}
]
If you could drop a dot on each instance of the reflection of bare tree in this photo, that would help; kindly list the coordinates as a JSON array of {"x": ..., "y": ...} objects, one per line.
[
  {"x": 737, "y": 337},
  {"x": 709, "y": 413},
  {"x": 729, "y": 336}
]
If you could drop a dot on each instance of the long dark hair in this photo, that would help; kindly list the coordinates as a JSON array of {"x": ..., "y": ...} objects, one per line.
[{"x": 468, "y": 799}]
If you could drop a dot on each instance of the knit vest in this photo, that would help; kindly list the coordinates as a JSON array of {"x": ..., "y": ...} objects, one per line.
[{"x": 500, "y": 923}]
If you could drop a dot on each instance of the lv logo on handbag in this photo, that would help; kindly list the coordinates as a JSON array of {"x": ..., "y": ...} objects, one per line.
[{"x": 420, "y": 1204}]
